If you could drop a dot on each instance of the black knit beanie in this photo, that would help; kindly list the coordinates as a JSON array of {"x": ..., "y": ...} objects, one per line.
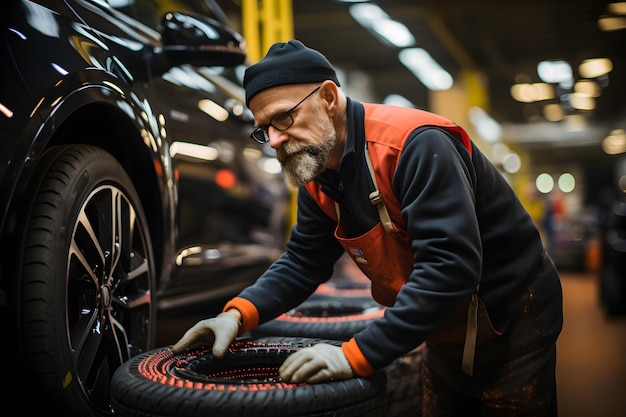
[{"x": 287, "y": 63}]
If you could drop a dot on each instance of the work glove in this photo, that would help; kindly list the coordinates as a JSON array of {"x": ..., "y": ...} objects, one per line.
[
  {"x": 218, "y": 332},
  {"x": 318, "y": 363}
]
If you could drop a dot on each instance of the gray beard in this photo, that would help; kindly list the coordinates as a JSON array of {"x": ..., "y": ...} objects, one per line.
[
  {"x": 303, "y": 164},
  {"x": 302, "y": 167}
]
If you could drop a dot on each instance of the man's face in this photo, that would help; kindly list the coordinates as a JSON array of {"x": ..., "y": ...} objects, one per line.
[{"x": 302, "y": 149}]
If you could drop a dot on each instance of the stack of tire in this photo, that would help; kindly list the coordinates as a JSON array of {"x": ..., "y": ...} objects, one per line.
[
  {"x": 338, "y": 310},
  {"x": 246, "y": 382},
  {"x": 243, "y": 383}
]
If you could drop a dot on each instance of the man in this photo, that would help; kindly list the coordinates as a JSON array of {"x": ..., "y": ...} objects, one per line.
[{"x": 444, "y": 240}]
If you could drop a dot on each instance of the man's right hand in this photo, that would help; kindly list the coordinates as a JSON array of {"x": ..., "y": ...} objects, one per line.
[{"x": 218, "y": 332}]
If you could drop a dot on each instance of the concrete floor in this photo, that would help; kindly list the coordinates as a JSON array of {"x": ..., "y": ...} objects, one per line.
[{"x": 591, "y": 353}]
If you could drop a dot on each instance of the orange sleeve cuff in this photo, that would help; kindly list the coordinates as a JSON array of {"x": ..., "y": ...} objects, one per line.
[
  {"x": 360, "y": 365},
  {"x": 249, "y": 313}
]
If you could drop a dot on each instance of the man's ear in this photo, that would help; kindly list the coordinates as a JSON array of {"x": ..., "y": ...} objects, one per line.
[{"x": 330, "y": 95}]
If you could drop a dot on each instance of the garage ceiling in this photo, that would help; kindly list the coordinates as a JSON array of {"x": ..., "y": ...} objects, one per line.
[{"x": 501, "y": 40}]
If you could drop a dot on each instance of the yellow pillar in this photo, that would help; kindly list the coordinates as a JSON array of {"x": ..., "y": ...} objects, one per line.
[
  {"x": 250, "y": 28},
  {"x": 264, "y": 23}
]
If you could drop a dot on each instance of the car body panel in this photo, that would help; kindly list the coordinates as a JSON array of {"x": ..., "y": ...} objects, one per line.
[
  {"x": 129, "y": 185},
  {"x": 219, "y": 218}
]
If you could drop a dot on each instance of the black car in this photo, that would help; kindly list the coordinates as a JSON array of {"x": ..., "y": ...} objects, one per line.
[{"x": 129, "y": 185}]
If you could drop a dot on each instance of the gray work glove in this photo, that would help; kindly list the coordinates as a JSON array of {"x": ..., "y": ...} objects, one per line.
[
  {"x": 318, "y": 363},
  {"x": 218, "y": 332}
]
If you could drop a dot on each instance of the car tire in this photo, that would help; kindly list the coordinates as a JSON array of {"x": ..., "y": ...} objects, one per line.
[
  {"x": 243, "y": 383},
  {"x": 87, "y": 279},
  {"x": 337, "y": 318},
  {"x": 343, "y": 288}
]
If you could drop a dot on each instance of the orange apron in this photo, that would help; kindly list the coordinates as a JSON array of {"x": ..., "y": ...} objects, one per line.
[
  {"x": 385, "y": 256},
  {"x": 383, "y": 253}
]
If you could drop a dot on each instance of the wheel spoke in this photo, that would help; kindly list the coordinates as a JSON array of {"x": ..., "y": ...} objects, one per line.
[
  {"x": 83, "y": 289},
  {"x": 83, "y": 220},
  {"x": 86, "y": 355},
  {"x": 85, "y": 260},
  {"x": 129, "y": 281},
  {"x": 117, "y": 227},
  {"x": 123, "y": 345}
]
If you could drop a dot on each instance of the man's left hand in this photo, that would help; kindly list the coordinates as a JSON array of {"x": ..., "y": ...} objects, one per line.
[{"x": 318, "y": 363}]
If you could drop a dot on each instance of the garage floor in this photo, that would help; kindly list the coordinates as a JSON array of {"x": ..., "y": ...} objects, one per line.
[{"x": 591, "y": 355}]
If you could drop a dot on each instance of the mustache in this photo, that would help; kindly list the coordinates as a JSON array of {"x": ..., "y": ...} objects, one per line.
[{"x": 287, "y": 151}]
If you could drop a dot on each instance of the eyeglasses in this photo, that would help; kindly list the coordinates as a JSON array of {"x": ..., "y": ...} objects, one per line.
[{"x": 281, "y": 122}]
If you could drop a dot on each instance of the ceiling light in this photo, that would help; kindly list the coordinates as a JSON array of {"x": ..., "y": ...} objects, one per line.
[
  {"x": 580, "y": 101},
  {"x": 553, "y": 112},
  {"x": 366, "y": 14},
  {"x": 617, "y": 8},
  {"x": 615, "y": 143},
  {"x": 566, "y": 182},
  {"x": 595, "y": 67},
  {"x": 556, "y": 72},
  {"x": 511, "y": 163},
  {"x": 270, "y": 165},
  {"x": 588, "y": 87},
  {"x": 544, "y": 183},
  {"x": 426, "y": 69},
  {"x": 611, "y": 23},
  {"x": 530, "y": 92},
  {"x": 393, "y": 33},
  {"x": 378, "y": 23},
  {"x": 484, "y": 124},
  {"x": 398, "y": 100}
]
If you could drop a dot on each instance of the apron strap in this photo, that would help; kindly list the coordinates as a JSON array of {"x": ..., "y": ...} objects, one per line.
[
  {"x": 377, "y": 200},
  {"x": 469, "y": 348}
]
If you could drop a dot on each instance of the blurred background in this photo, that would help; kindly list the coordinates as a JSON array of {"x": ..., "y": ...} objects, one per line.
[{"x": 540, "y": 86}]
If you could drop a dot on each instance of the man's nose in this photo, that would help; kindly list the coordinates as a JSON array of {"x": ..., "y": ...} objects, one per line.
[{"x": 276, "y": 137}]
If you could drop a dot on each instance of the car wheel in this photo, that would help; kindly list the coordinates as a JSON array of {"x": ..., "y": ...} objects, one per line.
[
  {"x": 243, "y": 383},
  {"x": 87, "y": 280}
]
